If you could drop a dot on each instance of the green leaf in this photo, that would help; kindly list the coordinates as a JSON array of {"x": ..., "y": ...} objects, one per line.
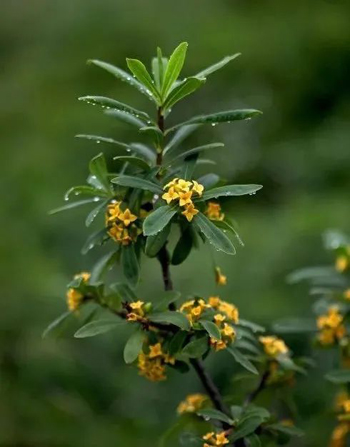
[
  {"x": 211, "y": 413},
  {"x": 97, "y": 327},
  {"x": 252, "y": 441},
  {"x": 183, "y": 247},
  {"x": 141, "y": 73},
  {"x": 120, "y": 74},
  {"x": 182, "y": 90},
  {"x": 207, "y": 71},
  {"x": 98, "y": 168},
  {"x": 196, "y": 348},
  {"x": 193, "y": 151},
  {"x": 285, "y": 429},
  {"x": 211, "y": 328},
  {"x": 171, "y": 317},
  {"x": 311, "y": 273},
  {"x": 98, "y": 139},
  {"x": 125, "y": 291},
  {"x": 109, "y": 103},
  {"x": 188, "y": 166},
  {"x": 95, "y": 212},
  {"x": 179, "y": 137},
  {"x": 166, "y": 298},
  {"x": 230, "y": 190},
  {"x": 137, "y": 182},
  {"x": 102, "y": 266},
  {"x": 294, "y": 325},
  {"x": 215, "y": 236},
  {"x": 133, "y": 346},
  {"x": 125, "y": 118},
  {"x": 155, "y": 243},
  {"x": 245, "y": 427},
  {"x": 144, "y": 151},
  {"x": 242, "y": 360},
  {"x": 155, "y": 134},
  {"x": 177, "y": 342},
  {"x": 139, "y": 162},
  {"x": 174, "y": 67},
  {"x": 209, "y": 180},
  {"x": 96, "y": 238},
  {"x": 252, "y": 326},
  {"x": 72, "y": 205},
  {"x": 84, "y": 190},
  {"x": 188, "y": 439},
  {"x": 338, "y": 376},
  {"x": 56, "y": 324},
  {"x": 130, "y": 263},
  {"x": 219, "y": 117},
  {"x": 157, "y": 220}
]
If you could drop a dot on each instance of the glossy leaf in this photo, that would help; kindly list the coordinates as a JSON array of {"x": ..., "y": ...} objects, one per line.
[
  {"x": 215, "y": 67},
  {"x": 209, "y": 180},
  {"x": 211, "y": 413},
  {"x": 177, "y": 342},
  {"x": 141, "y": 73},
  {"x": 171, "y": 317},
  {"x": 159, "y": 64},
  {"x": 182, "y": 90},
  {"x": 84, "y": 190},
  {"x": 133, "y": 346},
  {"x": 242, "y": 360},
  {"x": 215, "y": 236},
  {"x": 96, "y": 238},
  {"x": 157, "y": 220},
  {"x": 102, "y": 266},
  {"x": 174, "y": 67},
  {"x": 196, "y": 348},
  {"x": 137, "y": 182},
  {"x": 56, "y": 324},
  {"x": 109, "y": 103},
  {"x": 211, "y": 328},
  {"x": 130, "y": 264},
  {"x": 179, "y": 137},
  {"x": 125, "y": 118},
  {"x": 72, "y": 205},
  {"x": 338, "y": 376},
  {"x": 166, "y": 298},
  {"x": 138, "y": 162},
  {"x": 98, "y": 168},
  {"x": 246, "y": 426},
  {"x": 155, "y": 134},
  {"x": 193, "y": 151},
  {"x": 230, "y": 190},
  {"x": 120, "y": 74},
  {"x": 95, "y": 212},
  {"x": 220, "y": 117},
  {"x": 98, "y": 327},
  {"x": 155, "y": 243},
  {"x": 188, "y": 166},
  {"x": 183, "y": 247},
  {"x": 99, "y": 139}
]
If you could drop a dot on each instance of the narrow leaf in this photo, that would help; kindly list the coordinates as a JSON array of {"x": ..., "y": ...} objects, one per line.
[
  {"x": 179, "y": 137},
  {"x": 133, "y": 161},
  {"x": 98, "y": 168},
  {"x": 72, "y": 205},
  {"x": 130, "y": 263},
  {"x": 171, "y": 317},
  {"x": 157, "y": 220},
  {"x": 125, "y": 118},
  {"x": 242, "y": 360},
  {"x": 155, "y": 243},
  {"x": 56, "y": 324},
  {"x": 183, "y": 247},
  {"x": 193, "y": 151},
  {"x": 207, "y": 71},
  {"x": 174, "y": 67},
  {"x": 339, "y": 376},
  {"x": 137, "y": 182},
  {"x": 97, "y": 327},
  {"x": 230, "y": 190},
  {"x": 211, "y": 413},
  {"x": 95, "y": 212},
  {"x": 196, "y": 348},
  {"x": 214, "y": 235},
  {"x": 211, "y": 328},
  {"x": 182, "y": 90},
  {"x": 133, "y": 346},
  {"x": 141, "y": 73},
  {"x": 102, "y": 266}
]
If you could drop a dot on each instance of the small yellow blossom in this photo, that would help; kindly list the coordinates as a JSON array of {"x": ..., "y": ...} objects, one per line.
[
  {"x": 228, "y": 335},
  {"x": 347, "y": 294},
  {"x": 171, "y": 184},
  {"x": 113, "y": 211},
  {"x": 230, "y": 310},
  {"x": 127, "y": 217},
  {"x": 75, "y": 298},
  {"x": 220, "y": 279},
  {"x": 152, "y": 369},
  {"x": 215, "y": 439},
  {"x": 341, "y": 263},
  {"x": 273, "y": 346},
  {"x": 192, "y": 403},
  {"x": 183, "y": 185},
  {"x": 197, "y": 187},
  {"x": 85, "y": 276},
  {"x": 331, "y": 326},
  {"x": 213, "y": 211},
  {"x": 190, "y": 212},
  {"x": 137, "y": 311},
  {"x": 219, "y": 318},
  {"x": 155, "y": 351},
  {"x": 194, "y": 309},
  {"x": 170, "y": 195},
  {"x": 185, "y": 198}
]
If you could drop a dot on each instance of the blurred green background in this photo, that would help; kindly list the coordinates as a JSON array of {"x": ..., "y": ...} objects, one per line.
[{"x": 295, "y": 67}]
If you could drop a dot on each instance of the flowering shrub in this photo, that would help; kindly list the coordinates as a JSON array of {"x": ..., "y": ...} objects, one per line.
[
  {"x": 330, "y": 285},
  {"x": 155, "y": 192}
]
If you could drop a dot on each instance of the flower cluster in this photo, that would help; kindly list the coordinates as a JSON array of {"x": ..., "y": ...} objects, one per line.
[
  {"x": 152, "y": 365},
  {"x": 273, "y": 346},
  {"x": 215, "y": 439},
  {"x": 192, "y": 403},
  {"x": 213, "y": 211},
  {"x": 228, "y": 334},
  {"x": 120, "y": 224},
  {"x": 74, "y": 297},
  {"x": 230, "y": 310},
  {"x": 331, "y": 326},
  {"x": 183, "y": 191},
  {"x": 136, "y": 311},
  {"x": 194, "y": 309}
]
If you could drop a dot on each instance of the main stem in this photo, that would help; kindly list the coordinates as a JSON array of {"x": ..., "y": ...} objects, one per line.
[{"x": 164, "y": 260}]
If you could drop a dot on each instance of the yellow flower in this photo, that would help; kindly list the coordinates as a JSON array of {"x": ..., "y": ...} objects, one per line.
[
  {"x": 331, "y": 326},
  {"x": 214, "y": 301},
  {"x": 74, "y": 299},
  {"x": 230, "y": 310},
  {"x": 219, "y": 318},
  {"x": 217, "y": 440},
  {"x": 127, "y": 217},
  {"x": 171, "y": 184},
  {"x": 137, "y": 311},
  {"x": 341, "y": 263},
  {"x": 273, "y": 346},
  {"x": 192, "y": 403},
  {"x": 155, "y": 351},
  {"x": 347, "y": 294},
  {"x": 194, "y": 309},
  {"x": 185, "y": 198},
  {"x": 113, "y": 211},
  {"x": 183, "y": 185},
  {"x": 346, "y": 406},
  {"x": 220, "y": 279},
  {"x": 213, "y": 211},
  {"x": 228, "y": 335},
  {"x": 170, "y": 195},
  {"x": 84, "y": 275},
  {"x": 197, "y": 187},
  {"x": 153, "y": 369},
  {"x": 190, "y": 212}
]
